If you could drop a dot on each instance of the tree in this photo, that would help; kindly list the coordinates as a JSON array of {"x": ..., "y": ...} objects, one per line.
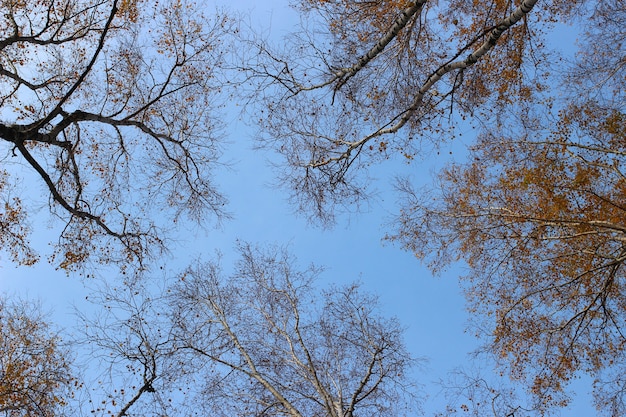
[
  {"x": 92, "y": 105},
  {"x": 538, "y": 216},
  {"x": 537, "y": 211},
  {"x": 129, "y": 349},
  {"x": 35, "y": 373},
  {"x": 276, "y": 348},
  {"x": 260, "y": 342},
  {"x": 387, "y": 78},
  {"x": 469, "y": 392}
]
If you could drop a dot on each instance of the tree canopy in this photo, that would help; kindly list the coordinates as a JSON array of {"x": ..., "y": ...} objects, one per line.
[
  {"x": 92, "y": 106},
  {"x": 368, "y": 81},
  {"x": 35, "y": 368},
  {"x": 538, "y": 215},
  {"x": 110, "y": 106},
  {"x": 537, "y": 209},
  {"x": 282, "y": 349}
]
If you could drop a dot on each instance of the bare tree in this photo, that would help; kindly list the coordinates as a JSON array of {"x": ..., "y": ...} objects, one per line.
[
  {"x": 132, "y": 363},
  {"x": 277, "y": 348},
  {"x": 261, "y": 342},
  {"x": 110, "y": 105}
]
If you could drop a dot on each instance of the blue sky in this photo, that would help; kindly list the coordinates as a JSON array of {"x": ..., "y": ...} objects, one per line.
[{"x": 431, "y": 308}]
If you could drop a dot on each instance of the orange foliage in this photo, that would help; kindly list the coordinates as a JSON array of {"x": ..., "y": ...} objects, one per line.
[
  {"x": 13, "y": 228},
  {"x": 34, "y": 370},
  {"x": 398, "y": 73},
  {"x": 541, "y": 223},
  {"x": 538, "y": 213}
]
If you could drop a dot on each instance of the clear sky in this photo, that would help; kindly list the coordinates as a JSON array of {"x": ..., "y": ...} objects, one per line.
[{"x": 431, "y": 308}]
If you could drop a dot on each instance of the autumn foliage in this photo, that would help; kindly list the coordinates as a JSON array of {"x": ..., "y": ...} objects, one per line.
[
  {"x": 108, "y": 105},
  {"x": 14, "y": 229},
  {"x": 35, "y": 375},
  {"x": 540, "y": 223},
  {"x": 390, "y": 79},
  {"x": 536, "y": 211},
  {"x": 538, "y": 215}
]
